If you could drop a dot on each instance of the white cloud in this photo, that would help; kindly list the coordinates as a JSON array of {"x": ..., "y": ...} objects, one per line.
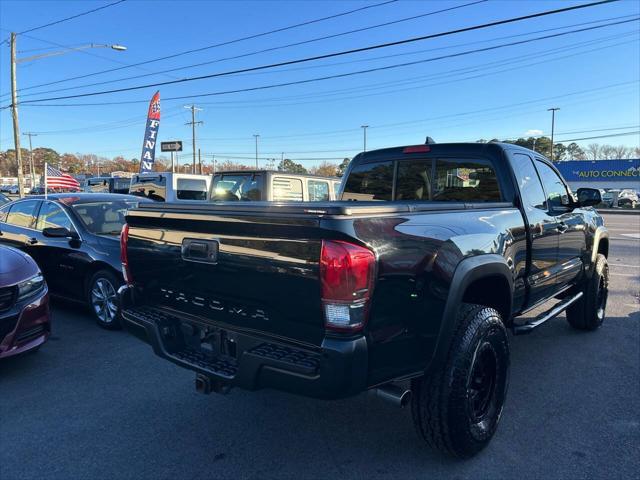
[{"x": 533, "y": 133}]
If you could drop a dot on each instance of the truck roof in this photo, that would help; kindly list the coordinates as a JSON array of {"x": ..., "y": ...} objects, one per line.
[{"x": 462, "y": 148}]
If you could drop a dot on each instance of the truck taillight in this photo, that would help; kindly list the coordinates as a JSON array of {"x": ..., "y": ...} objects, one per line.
[
  {"x": 347, "y": 274},
  {"x": 124, "y": 258}
]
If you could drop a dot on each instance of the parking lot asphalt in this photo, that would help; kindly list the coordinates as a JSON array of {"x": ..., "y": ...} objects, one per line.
[{"x": 98, "y": 404}]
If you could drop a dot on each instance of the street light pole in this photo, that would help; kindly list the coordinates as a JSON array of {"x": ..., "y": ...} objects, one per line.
[
  {"x": 14, "y": 115},
  {"x": 14, "y": 95},
  {"x": 256, "y": 137},
  {"x": 553, "y": 124},
  {"x": 364, "y": 139},
  {"x": 33, "y": 172}
]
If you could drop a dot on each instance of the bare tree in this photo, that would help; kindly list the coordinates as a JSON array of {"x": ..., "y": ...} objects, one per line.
[
  {"x": 608, "y": 152},
  {"x": 593, "y": 151},
  {"x": 622, "y": 152},
  {"x": 636, "y": 152}
]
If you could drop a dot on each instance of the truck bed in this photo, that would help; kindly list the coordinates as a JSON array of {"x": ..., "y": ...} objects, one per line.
[{"x": 265, "y": 281}]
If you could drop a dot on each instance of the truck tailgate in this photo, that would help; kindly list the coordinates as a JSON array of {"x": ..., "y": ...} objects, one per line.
[{"x": 246, "y": 271}]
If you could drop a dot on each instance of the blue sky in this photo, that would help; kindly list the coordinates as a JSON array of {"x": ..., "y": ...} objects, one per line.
[{"x": 592, "y": 76}]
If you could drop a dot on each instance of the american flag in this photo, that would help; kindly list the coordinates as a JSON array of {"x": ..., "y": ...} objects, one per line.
[{"x": 57, "y": 179}]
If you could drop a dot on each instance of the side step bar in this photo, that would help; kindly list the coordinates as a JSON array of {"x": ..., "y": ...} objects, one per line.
[{"x": 548, "y": 315}]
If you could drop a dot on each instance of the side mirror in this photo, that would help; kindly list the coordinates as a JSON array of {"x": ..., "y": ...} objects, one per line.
[
  {"x": 59, "y": 232},
  {"x": 588, "y": 197}
]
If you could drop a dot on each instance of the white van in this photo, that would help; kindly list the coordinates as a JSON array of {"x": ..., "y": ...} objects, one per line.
[
  {"x": 171, "y": 187},
  {"x": 273, "y": 186}
]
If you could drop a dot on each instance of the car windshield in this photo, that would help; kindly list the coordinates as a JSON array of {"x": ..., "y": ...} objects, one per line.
[{"x": 103, "y": 218}]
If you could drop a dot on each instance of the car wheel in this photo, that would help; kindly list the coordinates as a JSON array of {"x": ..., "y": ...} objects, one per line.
[
  {"x": 103, "y": 287},
  {"x": 456, "y": 409},
  {"x": 588, "y": 313}
]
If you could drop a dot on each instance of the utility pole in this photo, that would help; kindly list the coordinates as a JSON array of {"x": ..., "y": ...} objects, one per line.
[
  {"x": 214, "y": 163},
  {"x": 14, "y": 114},
  {"x": 364, "y": 131},
  {"x": 553, "y": 124},
  {"x": 199, "y": 163},
  {"x": 255, "y": 135},
  {"x": 193, "y": 124},
  {"x": 33, "y": 172}
]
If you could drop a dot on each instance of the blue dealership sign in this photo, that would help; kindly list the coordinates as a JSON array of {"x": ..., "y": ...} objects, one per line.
[{"x": 593, "y": 170}]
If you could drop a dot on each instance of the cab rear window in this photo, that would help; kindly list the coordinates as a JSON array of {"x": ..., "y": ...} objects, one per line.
[{"x": 425, "y": 179}]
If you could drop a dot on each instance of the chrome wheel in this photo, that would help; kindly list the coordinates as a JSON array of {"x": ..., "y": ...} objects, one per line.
[{"x": 103, "y": 300}]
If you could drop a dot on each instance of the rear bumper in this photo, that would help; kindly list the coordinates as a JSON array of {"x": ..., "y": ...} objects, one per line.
[{"x": 336, "y": 369}]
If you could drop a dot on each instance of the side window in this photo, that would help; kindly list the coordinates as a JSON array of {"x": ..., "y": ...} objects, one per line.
[
  {"x": 371, "y": 181},
  {"x": 191, "y": 189},
  {"x": 528, "y": 182},
  {"x": 22, "y": 214},
  {"x": 318, "y": 191},
  {"x": 52, "y": 216},
  {"x": 414, "y": 180},
  {"x": 154, "y": 188},
  {"x": 336, "y": 190},
  {"x": 557, "y": 194},
  {"x": 287, "y": 189},
  {"x": 465, "y": 180}
]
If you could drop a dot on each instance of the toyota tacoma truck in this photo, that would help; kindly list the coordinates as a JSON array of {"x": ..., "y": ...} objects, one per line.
[{"x": 406, "y": 287}]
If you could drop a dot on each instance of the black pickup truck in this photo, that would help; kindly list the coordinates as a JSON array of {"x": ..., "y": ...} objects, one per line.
[{"x": 406, "y": 287}]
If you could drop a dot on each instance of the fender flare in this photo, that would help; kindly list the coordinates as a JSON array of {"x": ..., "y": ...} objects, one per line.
[
  {"x": 600, "y": 233},
  {"x": 468, "y": 271}
]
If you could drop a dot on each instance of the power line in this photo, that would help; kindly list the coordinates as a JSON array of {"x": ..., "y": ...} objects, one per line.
[
  {"x": 256, "y": 52},
  {"x": 225, "y": 43},
  {"x": 601, "y": 136},
  {"x": 418, "y": 81},
  {"x": 316, "y": 79},
  {"x": 345, "y": 62},
  {"x": 450, "y": 115},
  {"x": 341, "y": 53},
  {"x": 71, "y": 18},
  {"x": 87, "y": 52}
]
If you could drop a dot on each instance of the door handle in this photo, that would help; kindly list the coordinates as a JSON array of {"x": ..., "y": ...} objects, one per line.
[
  {"x": 32, "y": 241},
  {"x": 562, "y": 227}
]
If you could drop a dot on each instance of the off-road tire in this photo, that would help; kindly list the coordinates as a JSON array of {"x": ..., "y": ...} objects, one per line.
[
  {"x": 442, "y": 405},
  {"x": 588, "y": 313}
]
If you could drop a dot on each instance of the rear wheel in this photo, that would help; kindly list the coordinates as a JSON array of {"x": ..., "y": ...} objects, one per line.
[
  {"x": 588, "y": 313},
  {"x": 103, "y": 287},
  {"x": 457, "y": 409}
]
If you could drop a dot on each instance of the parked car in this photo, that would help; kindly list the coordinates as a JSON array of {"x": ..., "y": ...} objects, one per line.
[
  {"x": 4, "y": 199},
  {"x": 74, "y": 238},
  {"x": 25, "y": 321},
  {"x": 107, "y": 185},
  {"x": 435, "y": 251},
  {"x": 272, "y": 186},
  {"x": 37, "y": 191},
  {"x": 171, "y": 187},
  {"x": 13, "y": 189},
  {"x": 626, "y": 197}
]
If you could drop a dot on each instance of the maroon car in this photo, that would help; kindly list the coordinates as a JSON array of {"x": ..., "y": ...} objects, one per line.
[{"x": 24, "y": 303}]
